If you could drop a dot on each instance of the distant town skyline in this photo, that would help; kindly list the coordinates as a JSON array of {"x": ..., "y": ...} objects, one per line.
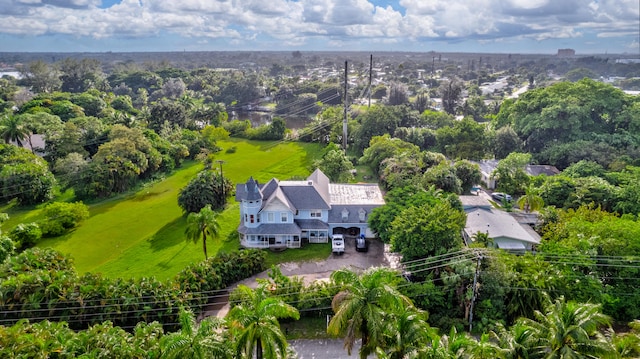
[{"x": 491, "y": 26}]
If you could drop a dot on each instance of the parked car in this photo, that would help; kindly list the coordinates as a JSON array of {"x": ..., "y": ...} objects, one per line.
[
  {"x": 337, "y": 244},
  {"x": 362, "y": 244},
  {"x": 500, "y": 197}
]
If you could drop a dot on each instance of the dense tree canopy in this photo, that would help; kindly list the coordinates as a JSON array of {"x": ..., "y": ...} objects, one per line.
[
  {"x": 24, "y": 176},
  {"x": 423, "y": 231},
  {"x": 568, "y": 112}
]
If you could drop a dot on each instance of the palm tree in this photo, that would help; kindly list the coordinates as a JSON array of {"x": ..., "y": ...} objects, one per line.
[
  {"x": 407, "y": 334},
  {"x": 196, "y": 340},
  {"x": 362, "y": 306},
  {"x": 531, "y": 201},
  {"x": 13, "y": 129},
  {"x": 517, "y": 341},
  {"x": 570, "y": 330},
  {"x": 200, "y": 224},
  {"x": 485, "y": 348},
  {"x": 454, "y": 345},
  {"x": 255, "y": 323}
]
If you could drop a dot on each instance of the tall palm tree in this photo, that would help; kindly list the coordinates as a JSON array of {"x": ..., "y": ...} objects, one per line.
[
  {"x": 13, "y": 129},
  {"x": 197, "y": 340},
  {"x": 362, "y": 306},
  {"x": 531, "y": 201},
  {"x": 200, "y": 224},
  {"x": 570, "y": 330},
  {"x": 254, "y": 323}
]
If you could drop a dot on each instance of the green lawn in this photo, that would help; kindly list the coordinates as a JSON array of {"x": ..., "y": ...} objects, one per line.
[{"x": 142, "y": 234}]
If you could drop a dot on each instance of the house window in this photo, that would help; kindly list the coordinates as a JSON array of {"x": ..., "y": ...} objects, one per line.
[
  {"x": 246, "y": 217},
  {"x": 251, "y": 218},
  {"x": 270, "y": 218},
  {"x": 284, "y": 217},
  {"x": 316, "y": 213},
  {"x": 345, "y": 215},
  {"x": 362, "y": 214}
]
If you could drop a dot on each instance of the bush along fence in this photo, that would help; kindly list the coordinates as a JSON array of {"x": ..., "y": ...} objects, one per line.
[{"x": 41, "y": 284}]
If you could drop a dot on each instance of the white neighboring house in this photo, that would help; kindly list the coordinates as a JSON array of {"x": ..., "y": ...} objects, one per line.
[
  {"x": 35, "y": 140},
  {"x": 488, "y": 166},
  {"x": 505, "y": 231},
  {"x": 281, "y": 214}
]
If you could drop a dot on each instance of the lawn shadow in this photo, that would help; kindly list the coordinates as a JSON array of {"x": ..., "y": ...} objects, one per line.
[
  {"x": 167, "y": 263},
  {"x": 53, "y": 242},
  {"x": 169, "y": 235}
]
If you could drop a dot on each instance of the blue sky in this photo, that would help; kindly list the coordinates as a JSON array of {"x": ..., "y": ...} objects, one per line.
[{"x": 506, "y": 26}]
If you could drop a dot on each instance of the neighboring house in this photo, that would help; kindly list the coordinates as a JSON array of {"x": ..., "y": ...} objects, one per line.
[
  {"x": 286, "y": 213},
  {"x": 502, "y": 228},
  {"x": 488, "y": 166},
  {"x": 35, "y": 140}
]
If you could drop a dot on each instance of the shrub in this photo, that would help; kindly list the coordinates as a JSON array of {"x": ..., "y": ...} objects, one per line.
[
  {"x": 26, "y": 234},
  {"x": 62, "y": 216},
  {"x": 219, "y": 272},
  {"x": 7, "y": 247}
]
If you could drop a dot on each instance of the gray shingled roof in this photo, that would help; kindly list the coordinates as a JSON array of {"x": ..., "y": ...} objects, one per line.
[
  {"x": 321, "y": 182},
  {"x": 303, "y": 196},
  {"x": 335, "y": 214},
  {"x": 308, "y": 224},
  {"x": 282, "y": 197},
  {"x": 272, "y": 228},
  {"x": 249, "y": 191},
  {"x": 268, "y": 188}
]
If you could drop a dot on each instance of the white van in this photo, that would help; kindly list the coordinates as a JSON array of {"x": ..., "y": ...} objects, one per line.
[{"x": 337, "y": 244}]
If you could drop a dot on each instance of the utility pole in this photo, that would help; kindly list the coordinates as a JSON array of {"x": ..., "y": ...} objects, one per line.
[
  {"x": 370, "y": 74},
  {"x": 220, "y": 162},
  {"x": 344, "y": 121},
  {"x": 475, "y": 292}
]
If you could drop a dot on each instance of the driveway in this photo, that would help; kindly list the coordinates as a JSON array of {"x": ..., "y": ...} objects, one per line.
[{"x": 316, "y": 270}]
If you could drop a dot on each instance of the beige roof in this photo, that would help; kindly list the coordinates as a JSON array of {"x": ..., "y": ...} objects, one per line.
[{"x": 364, "y": 194}]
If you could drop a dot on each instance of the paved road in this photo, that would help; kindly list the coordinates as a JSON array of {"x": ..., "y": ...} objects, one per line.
[{"x": 323, "y": 349}]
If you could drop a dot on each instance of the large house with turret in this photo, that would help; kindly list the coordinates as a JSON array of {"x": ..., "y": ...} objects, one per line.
[{"x": 285, "y": 214}]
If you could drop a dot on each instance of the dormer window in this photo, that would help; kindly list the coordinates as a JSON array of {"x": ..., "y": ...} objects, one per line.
[
  {"x": 345, "y": 215},
  {"x": 362, "y": 214},
  {"x": 316, "y": 213}
]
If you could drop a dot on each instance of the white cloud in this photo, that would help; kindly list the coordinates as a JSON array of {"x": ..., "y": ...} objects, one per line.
[{"x": 337, "y": 22}]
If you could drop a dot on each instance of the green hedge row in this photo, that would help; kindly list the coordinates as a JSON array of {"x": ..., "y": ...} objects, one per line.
[{"x": 41, "y": 284}]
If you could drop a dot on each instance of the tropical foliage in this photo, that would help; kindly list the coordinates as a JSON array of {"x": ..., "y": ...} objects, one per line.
[{"x": 254, "y": 324}]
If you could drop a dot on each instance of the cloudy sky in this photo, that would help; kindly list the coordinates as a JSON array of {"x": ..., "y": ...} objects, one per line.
[{"x": 508, "y": 26}]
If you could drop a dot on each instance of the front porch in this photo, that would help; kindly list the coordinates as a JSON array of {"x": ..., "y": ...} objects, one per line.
[{"x": 270, "y": 241}]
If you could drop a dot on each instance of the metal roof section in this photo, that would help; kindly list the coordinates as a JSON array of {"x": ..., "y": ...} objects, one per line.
[
  {"x": 497, "y": 224},
  {"x": 470, "y": 202},
  {"x": 355, "y": 194}
]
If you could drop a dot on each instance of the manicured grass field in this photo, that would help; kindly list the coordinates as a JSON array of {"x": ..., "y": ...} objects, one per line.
[{"x": 143, "y": 234}]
